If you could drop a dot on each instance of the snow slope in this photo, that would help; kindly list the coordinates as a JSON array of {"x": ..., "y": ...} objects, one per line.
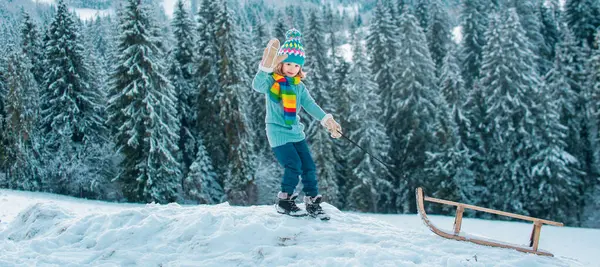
[{"x": 46, "y": 229}]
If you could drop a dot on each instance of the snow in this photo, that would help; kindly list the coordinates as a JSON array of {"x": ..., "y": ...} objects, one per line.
[
  {"x": 45, "y": 229},
  {"x": 169, "y": 6},
  {"x": 88, "y": 13},
  {"x": 346, "y": 51},
  {"x": 457, "y": 34},
  {"x": 45, "y": 1}
]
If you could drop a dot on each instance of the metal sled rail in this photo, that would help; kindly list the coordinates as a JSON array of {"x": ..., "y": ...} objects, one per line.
[{"x": 535, "y": 233}]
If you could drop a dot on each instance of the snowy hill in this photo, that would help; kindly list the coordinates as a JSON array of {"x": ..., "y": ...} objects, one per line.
[{"x": 47, "y": 229}]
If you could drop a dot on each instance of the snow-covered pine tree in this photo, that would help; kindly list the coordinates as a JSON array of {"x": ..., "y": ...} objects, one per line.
[
  {"x": 3, "y": 139},
  {"x": 240, "y": 184},
  {"x": 332, "y": 33},
  {"x": 573, "y": 110},
  {"x": 319, "y": 63},
  {"x": 268, "y": 171},
  {"x": 21, "y": 108},
  {"x": 590, "y": 214},
  {"x": 473, "y": 22},
  {"x": 317, "y": 84},
  {"x": 200, "y": 183},
  {"x": 383, "y": 48},
  {"x": 296, "y": 15},
  {"x": 529, "y": 18},
  {"x": 452, "y": 88},
  {"x": 142, "y": 114},
  {"x": 340, "y": 105},
  {"x": 257, "y": 101},
  {"x": 511, "y": 85},
  {"x": 369, "y": 187},
  {"x": 394, "y": 10},
  {"x": 281, "y": 26},
  {"x": 102, "y": 40},
  {"x": 423, "y": 13},
  {"x": 206, "y": 70},
  {"x": 549, "y": 33},
  {"x": 582, "y": 17},
  {"x": 182, "y": 78},
  {"x": 340, "y": 86},
  {"x": 476, "y": 140},
  {"x": 71, "y": 105},
  {"x": 32, "y": 47},
  {"x": 249, "y": 64},
  {"x": 438, "y": 35},
  {"x": 553, "y": 169},
  {"x": 98, "y": 66},
  {"x": 414, "y": 114}
]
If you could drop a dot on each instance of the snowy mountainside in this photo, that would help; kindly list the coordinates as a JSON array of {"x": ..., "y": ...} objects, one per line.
[{"x": 46, "y": 230}]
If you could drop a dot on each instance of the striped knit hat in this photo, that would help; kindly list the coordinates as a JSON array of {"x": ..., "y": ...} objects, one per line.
[{"x": 293, "y": 47}]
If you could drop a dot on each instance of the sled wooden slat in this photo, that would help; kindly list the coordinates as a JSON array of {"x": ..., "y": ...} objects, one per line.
[
  {"x": 535, "y": 233},
  {"x": 503, "y": 213},
  {"x": 458, "y": 219}
]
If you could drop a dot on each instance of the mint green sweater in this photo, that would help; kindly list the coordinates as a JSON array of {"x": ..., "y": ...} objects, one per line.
[{"x": 278, "y": 133}]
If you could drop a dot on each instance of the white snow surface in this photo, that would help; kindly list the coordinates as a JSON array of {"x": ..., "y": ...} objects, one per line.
[
  {"x": 89, "y": 14},
  {"x": 39, "y": 229}
]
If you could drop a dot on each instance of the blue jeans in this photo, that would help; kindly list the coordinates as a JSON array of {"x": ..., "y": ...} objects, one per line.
[{"x": 297, "y": 161}]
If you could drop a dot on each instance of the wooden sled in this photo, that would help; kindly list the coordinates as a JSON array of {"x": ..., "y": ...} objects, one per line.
[{"x": 533, "y": 240}]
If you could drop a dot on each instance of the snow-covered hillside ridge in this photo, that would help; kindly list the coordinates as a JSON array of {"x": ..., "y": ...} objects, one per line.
[{"x": 84, "y": 233}]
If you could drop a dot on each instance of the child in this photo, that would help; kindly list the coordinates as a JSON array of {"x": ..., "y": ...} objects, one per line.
[{"x": 279, "y": 78}]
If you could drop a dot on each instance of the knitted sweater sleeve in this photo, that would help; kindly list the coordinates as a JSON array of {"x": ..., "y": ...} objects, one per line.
[
  {"x": 262, "y": 82},
  {"x": 308, "y": 103}
]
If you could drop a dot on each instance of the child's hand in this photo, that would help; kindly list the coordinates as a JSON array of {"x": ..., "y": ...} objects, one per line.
[
  {"x": 270, "y": 58},
  {"x": 332, "y": 126}
]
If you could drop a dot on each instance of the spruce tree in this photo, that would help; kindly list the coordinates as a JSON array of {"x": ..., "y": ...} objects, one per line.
[
  {"x": 452, "y": 88},
  {"x": 574, "y": 109},
  {"x": 240, "y": 185},
  {"x": 477, "y": 139},
  {"x": 550, "y": 35},
  {"x": 383, "y": 43},
  {"x": 438, "y": 35},
  {"x": 422, "y": 12},
  {"x": 201, "y": 184},
  {"x": 281, "y": 26},
  {"x": 182, "y": 77},
  {"x": 530, "y": 21},
  {"x": 511, "y": 86},
  {"x": 70, "y": 101},
  {"x": 32, "y": 47},
  {"x": 21, "y": 109},
  {"x": 369, "y": 187},
  {"x": 142, "y": 112},
  {"x": 590, "y": 215},
  {"x": 3, "y": 139},
  {"x": 71, "y": 105},
  {"x": 473, "y": 22},
  {"x": 317, "y": 84},
  {"x": 554, "y": 169},
  {"x": 414, "y": 116},
  {"x": 208, "y": 85},
  {"x": 582, "y": 17},
  {"x": 257, "y": 101}
]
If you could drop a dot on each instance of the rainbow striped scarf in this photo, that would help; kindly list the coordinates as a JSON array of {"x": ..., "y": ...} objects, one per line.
[{"x": 282, "y": 90}]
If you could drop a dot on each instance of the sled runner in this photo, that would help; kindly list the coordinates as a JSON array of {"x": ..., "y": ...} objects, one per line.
[{"x": 533, "y": 240}]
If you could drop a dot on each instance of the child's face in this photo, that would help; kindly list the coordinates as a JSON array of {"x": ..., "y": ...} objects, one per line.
[{"x": 290, "y": 69}]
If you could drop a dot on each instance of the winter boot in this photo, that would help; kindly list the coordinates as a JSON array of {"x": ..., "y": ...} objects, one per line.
[
  {"x": 286, "y": 205},
  {"x": 313, "y": 207}
]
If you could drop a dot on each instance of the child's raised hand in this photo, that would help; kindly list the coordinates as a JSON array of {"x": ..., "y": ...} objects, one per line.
[{"x": 270, "y": 58}]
